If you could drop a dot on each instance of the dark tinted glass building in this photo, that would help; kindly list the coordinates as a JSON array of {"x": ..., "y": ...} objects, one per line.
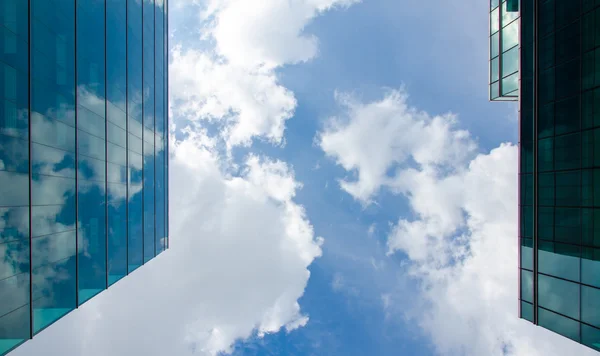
[
  {"x": 559, "y": 200},
  {"x": 83, "y": 153}
]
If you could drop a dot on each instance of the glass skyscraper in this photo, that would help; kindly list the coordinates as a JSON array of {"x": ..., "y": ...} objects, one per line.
[
  {"x": 559, "y": 200},
  {"x": 83, "y": 153}
]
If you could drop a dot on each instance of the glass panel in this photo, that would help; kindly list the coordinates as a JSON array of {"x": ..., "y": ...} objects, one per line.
[
  {"x": 527, "y": 286},
  {"x": 494, "y": 90},
  {"x": 527, "y": 253},
  {"x": 567, "y": 151},
  {"x": 494, "y": 69},
  {"x": 510, "y": 61},
  {"x": 559, "y": 324},
  {"x": 495, "y": 20},
  {"x": 568, "y": 41},
  {"x": 18, "y": 194},
  {"x": 590, "y": 336},
  {"x": 558, "y": 295},
  {"x": 590, "y": 308},
  {"x": 567, "y": 115},
  {"x": 53, "y": 197},
  {"x": 117, "y": 236},
  {"x": 510, "y": 84},
  {"x": 510, "y": 36},
  {"x": 568, "y": 188},
  {"x": 527, "y": 311},
  {"x": 590, "y": 267},
  {"x": 568, "y": 79},
  {"x": 560, "y": 260},
  {"x": 567, "y": 226}
]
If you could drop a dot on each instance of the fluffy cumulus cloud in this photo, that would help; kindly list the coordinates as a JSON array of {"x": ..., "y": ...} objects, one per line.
[
  {"x": 235, "y": 83},
  {"x": 460, "y": 242}
]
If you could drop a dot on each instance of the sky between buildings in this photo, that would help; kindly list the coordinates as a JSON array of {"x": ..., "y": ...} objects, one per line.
[{"x": 339, "y": 186}]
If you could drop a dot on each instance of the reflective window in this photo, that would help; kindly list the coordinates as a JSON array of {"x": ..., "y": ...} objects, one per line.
[
  {"x": 559, "y": 324},
  {"x": 558, "y": 295}
]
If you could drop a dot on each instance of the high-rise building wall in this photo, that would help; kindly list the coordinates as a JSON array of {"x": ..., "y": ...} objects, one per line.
[
  {"x": 559, "y": 134},
  {"x": 83, "y": 153}
]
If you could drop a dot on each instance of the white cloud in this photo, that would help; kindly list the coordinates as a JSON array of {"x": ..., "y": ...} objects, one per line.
[
  {"x": 372, "y": 138},
  {"x": 237, "y": 262},
  {"x": 236, "y": 83},
  {"x": 461, "y": 245}
]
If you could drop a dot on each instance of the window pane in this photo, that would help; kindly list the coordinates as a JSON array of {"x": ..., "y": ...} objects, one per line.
[
  {"x": 559, "y": 324},
  {"x": 558, "y": 295}
]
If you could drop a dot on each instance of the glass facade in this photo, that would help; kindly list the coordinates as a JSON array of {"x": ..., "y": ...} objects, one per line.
[
  {"x": 83, "y": 153},
  {"x": 504, "y": 50},
  {"x": 559, "y": 263}
]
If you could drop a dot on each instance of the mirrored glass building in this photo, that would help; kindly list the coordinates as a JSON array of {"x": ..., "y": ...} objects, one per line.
[
  {"x": 559, "y": 200},
  {"x": 83, "y": 153}
]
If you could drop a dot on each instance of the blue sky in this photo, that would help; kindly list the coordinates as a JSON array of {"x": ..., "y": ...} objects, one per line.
[
  {"x": 339, "y": 185},
  {"x": 367, "y": 48}
]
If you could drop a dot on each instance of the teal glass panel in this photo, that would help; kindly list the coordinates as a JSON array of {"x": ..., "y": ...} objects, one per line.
[
  {"x": 159, "y": 190},
  {"x": 588, "y": 69},
  {"x": 495, "y": 21},
  {"x": 567, "y": 225},
  {"x": 546, "y": 223},
  {"x": 526, "y": 189},
  {"x": 567, "y": 115},
  {"x": 567, "y": 12},
  {"x": 527, "y": 286},
  {"x": 527, "y": 311},
  {"x": 560, "y": 260},
  {"x": 568, "y": 42},
  {"x": 494, "y": 69},
  {"x": 546, "y": 52},
  {"x": 590, "y": 267},
  {"x": 568, "y": 188},
  {"x": 494, "y": 4},
  {"x": 495, "y": 45},
  {"x": 135, "y": 85},
  {"x": 546, "y": 19},
  {"x": 508, "y": 15},
  {"x": 527, "y": 221},
  {"x": 590, "y": 302},
  {"x": 558, "y": 295},
  {"x": 149, "y": 214},
  {"x": 546, "y": 154},
  {"x": 567, "y": 151},
  {"x": 546, "y": 120},
  {"x": 510, "y": 84},
  {"x": 512, "y": 5},
  {"x": 559, "y": 324},
  {"x": 510, "y": 61},
  {"x": 91, "y": 128},
  {"x": 510, "y": 36},
  {"x": 53, "y": 184},
  {"x": 546, "y": 86},
  {"x": 527, "y": 254},
  {"x": 116, "y": 135},
  {"x": 568, "y": 79},
  {"x": 526, "y": 152},
  {"x": 590, "y": 336},
  {"x": 494, "y": 90}
]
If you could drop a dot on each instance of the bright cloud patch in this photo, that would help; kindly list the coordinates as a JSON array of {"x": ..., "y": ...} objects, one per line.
[
  {"x": 235, "y": 83},
  {"x": 462, "y": 244}
]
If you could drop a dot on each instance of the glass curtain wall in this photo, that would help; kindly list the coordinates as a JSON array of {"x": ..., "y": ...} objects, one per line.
[
  {"x": 560, "y": 241},
  {"x": 83, "y": 153}
]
